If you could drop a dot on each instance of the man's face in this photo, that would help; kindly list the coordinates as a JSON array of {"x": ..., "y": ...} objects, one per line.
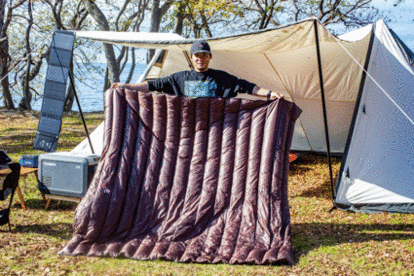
[{"x": 201, "y": 61}]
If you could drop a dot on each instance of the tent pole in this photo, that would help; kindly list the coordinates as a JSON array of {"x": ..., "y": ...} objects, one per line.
[
  {"x": 190, "y": 64},
  {"x": 356, "y": 108},
  {"x": 325, "y": 117}
]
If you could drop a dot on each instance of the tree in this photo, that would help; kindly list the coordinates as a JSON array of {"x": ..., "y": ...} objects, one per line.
[
  {"x": 25, "y": 102},
  {"x": 100, "y": 19},
  {"x": 30, "y": 73},
  {"x": 47, "y": 16},
  {"x": 261, "y": 14},
  {"x": 129, "y": 18},
  {"x": 158, "y": 11},
  {"x": 5, "y": 58},
  {"x": 36, "y": 22},
  {"x": 193, "y": 18}
]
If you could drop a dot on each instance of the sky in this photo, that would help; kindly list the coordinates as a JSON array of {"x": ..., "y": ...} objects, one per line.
[{"x": 402, "y": 18}]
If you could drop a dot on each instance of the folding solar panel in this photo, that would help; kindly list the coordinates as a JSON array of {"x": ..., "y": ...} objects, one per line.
[{"x": 60, "y": 58}]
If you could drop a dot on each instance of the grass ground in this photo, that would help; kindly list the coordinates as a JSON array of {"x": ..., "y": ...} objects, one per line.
[{"x": 325, "y": 243}]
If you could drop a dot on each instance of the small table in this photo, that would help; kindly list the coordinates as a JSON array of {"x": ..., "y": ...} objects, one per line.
[
  {"x": 4, "y": 171},
  {"x": 24, "y": 173}
]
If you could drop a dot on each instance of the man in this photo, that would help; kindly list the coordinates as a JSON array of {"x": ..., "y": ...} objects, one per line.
[{"x": 202, "y": 81}]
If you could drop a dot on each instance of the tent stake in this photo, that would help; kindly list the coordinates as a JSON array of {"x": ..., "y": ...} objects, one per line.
[{"x": 325, "y": 117}]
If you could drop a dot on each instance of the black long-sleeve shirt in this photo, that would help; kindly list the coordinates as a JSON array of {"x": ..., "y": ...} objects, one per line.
[{"x": 212, "y": 83}]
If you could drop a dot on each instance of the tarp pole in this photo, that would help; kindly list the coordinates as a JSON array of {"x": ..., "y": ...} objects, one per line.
[
  {"x": 81, "y": 113},
  {"x": 150, "y": 65},
  {"x": 325, "y": 117}
]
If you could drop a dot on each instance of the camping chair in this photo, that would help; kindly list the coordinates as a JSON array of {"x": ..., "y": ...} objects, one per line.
[{"x": 9, "y": 187}]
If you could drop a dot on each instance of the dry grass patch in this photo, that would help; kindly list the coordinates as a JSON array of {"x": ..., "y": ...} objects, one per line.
[{"x": 325, "y": 243}]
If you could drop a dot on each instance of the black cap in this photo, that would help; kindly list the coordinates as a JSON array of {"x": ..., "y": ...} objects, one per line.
[{"x": 200, "y": 47}]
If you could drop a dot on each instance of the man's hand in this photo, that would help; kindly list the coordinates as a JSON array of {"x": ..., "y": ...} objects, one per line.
[
  {"x": 142, "y": 86},
  {"x": 117, "y": 84},
  {"x": 275, "y": 95},
  {"x": 266, "y": 93}
]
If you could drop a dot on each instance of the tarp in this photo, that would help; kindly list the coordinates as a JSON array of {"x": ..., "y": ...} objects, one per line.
[
  {"x": 282, "y": 59},
  {"x": 201, "y": 180}
]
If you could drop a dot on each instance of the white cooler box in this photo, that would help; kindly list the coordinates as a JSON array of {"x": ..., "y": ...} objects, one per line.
[{"x": 66, "y": 173}]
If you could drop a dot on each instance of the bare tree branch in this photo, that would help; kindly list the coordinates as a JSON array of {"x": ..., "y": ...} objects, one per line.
[{"x": 100, "y": 19}]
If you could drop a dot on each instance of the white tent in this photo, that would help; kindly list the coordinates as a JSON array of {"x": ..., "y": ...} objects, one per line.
[
  {"x": 328, "y": 78},
  {"x": 377, "y": 171}
]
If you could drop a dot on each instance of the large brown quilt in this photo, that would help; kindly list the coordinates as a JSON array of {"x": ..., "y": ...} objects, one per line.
[{"x": 189, "y": 180}]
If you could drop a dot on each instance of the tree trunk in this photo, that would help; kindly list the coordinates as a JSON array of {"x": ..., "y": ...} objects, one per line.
[
  {"x": 70, "y": 94},
  {"x": 179, "y": 19},
  {"x": 157, "y": 12},
  {"x": 25, "y": 102},
  {"x": 7, "y": 97},
  {"x": 100, "y": 19},
  {"x": 106, "y": 80},
  {"x": 4, "y": 60},
  {"x": 69, "y": 99},
  {"x": 205, "y": 26},
  {"x": 131, "y": 70}
]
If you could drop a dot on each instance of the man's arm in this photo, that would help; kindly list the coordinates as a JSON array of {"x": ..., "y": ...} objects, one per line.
[
  {"x": 141, "y": 86},
  {"x": 257, "y": 91}
]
